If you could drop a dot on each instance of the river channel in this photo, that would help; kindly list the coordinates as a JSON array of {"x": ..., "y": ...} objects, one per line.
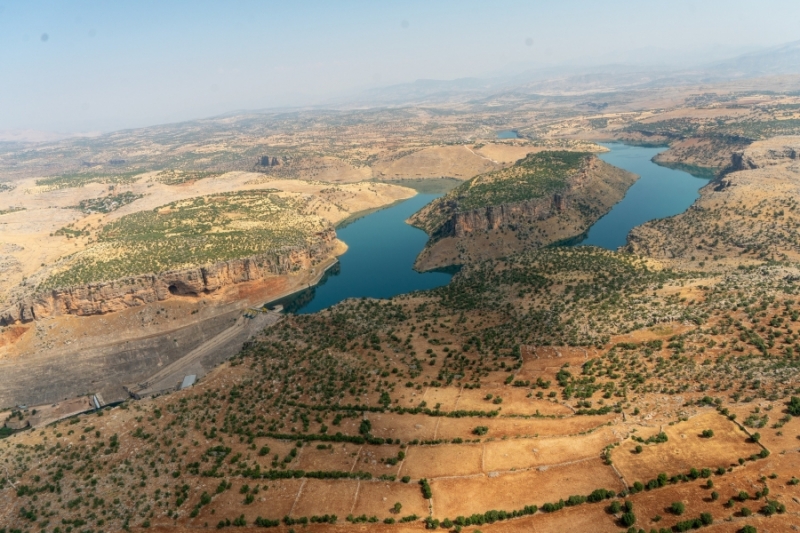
[{"x": 382, "y": 247}]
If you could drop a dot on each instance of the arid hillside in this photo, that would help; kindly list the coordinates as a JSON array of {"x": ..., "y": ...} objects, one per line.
[
  {"x": 560, "y": 389},
  {"x": 748, "y": 215},
  {"x": 163, "y": 262},
  {"x": 545, "y": 388}
]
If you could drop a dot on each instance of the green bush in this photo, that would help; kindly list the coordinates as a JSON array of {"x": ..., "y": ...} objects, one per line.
[
  {"x": 794, "y": 406},
  {"x": 628, "y": 519},
  {"x": 426, "y": 489},
  {"x": 677, "y": 508}
]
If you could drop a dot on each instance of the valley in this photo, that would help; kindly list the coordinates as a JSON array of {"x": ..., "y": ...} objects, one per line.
[{"x": 544, "y": 388}]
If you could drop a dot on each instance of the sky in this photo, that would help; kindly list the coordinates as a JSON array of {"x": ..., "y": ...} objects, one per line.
[{"x": 89, "y": 66}]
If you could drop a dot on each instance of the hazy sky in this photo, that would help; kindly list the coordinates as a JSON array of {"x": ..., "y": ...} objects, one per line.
[{"x": 81, "y": 66}]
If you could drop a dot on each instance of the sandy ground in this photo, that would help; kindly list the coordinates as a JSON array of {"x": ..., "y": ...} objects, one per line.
[
  {"x": 686, "y": 449},
  {"x": 436, "y": 161}
]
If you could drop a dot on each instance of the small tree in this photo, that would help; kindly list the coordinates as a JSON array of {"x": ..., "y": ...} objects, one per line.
[
  {"x": 365, "y": 428},
  {"x": 397, "y": 507},
  {"x": 628, "y": 519},
  {"x": 794, "y": 406},
  {"x": 677, "y": 508},
  {"x": 426, "y": 489}
]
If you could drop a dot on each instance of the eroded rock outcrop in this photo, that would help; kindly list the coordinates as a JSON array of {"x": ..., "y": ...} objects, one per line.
[
  {"x": 583, "y": 193},
  {"x": 776, "y": 151},
  {"x": 495, "y": 217},
  {"x": 747, "y": 214},
  {"x": 99, "y": 298},
  {"x": 460, "y": 223}
]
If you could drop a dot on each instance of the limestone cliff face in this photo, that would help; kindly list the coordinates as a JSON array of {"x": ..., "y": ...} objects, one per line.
[
  {"x": 463, "y": 236},
  {"x": 106, "y": 297},
  {"x": 766, "y": 153},
  {"x": 498, "y": 216},
  {"x": 463, "y": 223},
  {"x": 778, "y": 151},
  {"x": 758, "y": 181}
]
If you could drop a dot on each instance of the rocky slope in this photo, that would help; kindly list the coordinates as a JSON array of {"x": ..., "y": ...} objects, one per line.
[
  {"x": 573, "y": 196},
  {"x": 748, "y": 214},
  {"x": 98, "y": 298},
  {"x": 703, "y": 157}
]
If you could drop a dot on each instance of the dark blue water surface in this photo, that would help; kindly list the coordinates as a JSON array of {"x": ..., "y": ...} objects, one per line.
[
  {"x": 378, "y": 263},
  {"x": 659, "y": 192}
]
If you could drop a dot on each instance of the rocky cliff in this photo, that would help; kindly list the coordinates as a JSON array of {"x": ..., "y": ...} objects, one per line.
[
  {"x": 454, "y": 215},
  {"x": 98, "y": 298},
  {"x": 495, "y": 217},
  {"x": 776, "y": 151},
  {"x": 565, "y": 206},
  {"x": 747, "y": 215}
]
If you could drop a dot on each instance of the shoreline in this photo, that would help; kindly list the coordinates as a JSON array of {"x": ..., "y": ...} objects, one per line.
[{"x": 311, "y": 283}]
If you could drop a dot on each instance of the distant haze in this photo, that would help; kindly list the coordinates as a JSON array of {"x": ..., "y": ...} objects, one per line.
[{"x": 82, "y": 66}]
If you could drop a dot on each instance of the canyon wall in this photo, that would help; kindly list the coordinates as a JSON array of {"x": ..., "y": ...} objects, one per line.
[
  {"x": 776, "y": 151},
  {"x": 494, "y": 217},
  {"x": 460, "y": 237},
  {"x": 745, "y": 215},
  {"x": 105, "y": 297},
  {"x": 504, "y": 215}
]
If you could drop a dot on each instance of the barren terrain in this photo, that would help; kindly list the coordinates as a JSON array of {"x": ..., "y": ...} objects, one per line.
[{"x": 545, "y": 388}]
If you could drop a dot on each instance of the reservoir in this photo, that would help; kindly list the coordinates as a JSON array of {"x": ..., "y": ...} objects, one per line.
[
  {"x": 507, "y": 134},
  {"x": 378, "y": 263},
  {"x": 382, "y": 247},
  {"x": 659, "y": 192}
]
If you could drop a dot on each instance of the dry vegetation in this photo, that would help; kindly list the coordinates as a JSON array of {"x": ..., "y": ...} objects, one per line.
[
  {"x": 198, "y": 231},
  {"x": 554, "y": 389},
  {"x": 509, "y": 394}
]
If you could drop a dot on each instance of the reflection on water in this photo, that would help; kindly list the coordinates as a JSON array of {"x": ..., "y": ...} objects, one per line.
[
  {"x": 659, "y": 192},
  {"x": 296, "y": 301},
  {"x": 379, "y": 262}
]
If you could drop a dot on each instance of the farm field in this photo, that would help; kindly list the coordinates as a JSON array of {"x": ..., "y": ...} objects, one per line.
[{"x": 545, "y": 388}]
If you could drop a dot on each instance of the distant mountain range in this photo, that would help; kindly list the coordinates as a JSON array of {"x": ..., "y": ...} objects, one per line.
[
  {"x": 784, "y": 59},
  {"x": 778, "y": 60}
]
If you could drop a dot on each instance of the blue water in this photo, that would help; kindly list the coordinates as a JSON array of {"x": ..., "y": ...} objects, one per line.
[
  {"x": 379, "y": 260},
  {"x": 507, "y": 134},
  {"x": 659, "y": 192},
  {"x": 382, "y": 247}
]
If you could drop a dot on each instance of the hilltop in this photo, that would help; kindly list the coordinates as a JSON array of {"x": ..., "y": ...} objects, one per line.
[{"x": 547, "y": 197}]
